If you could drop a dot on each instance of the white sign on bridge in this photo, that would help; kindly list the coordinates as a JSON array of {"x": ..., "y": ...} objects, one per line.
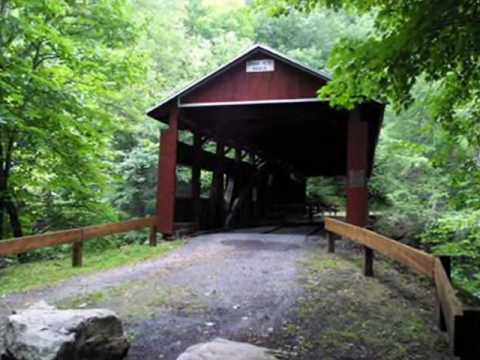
[{"x": 263, "y": 65}]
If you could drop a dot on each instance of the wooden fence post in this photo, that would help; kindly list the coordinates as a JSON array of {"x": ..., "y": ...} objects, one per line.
[
  {"x": 153, "y": 236},
  {"x": 77, "y": 252},
  {"x": 440, "y": 316},
  {"x": 368, "y": 266},
  {"x": 331, "y": 242}
]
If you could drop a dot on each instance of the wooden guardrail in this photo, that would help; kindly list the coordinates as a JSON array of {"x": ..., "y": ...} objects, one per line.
[
  {"x": 461, "y": 322},
  {"x": 76, "y": 237},
  {"x": 416, "y": 259}
]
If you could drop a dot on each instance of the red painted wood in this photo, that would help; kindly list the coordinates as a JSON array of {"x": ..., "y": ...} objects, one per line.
[
  {"x": 236, "y": 84},
  {"x": 357, "y": 206},
  {"x": 357, "y": 164},
  {"x": 167, "y": 178},
  {"x": 357, "y": 169}
]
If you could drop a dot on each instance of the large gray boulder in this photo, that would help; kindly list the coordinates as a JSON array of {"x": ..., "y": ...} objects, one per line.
[
  {"x": 43, "y": 332},
  {"x": 221, "y": 349}
]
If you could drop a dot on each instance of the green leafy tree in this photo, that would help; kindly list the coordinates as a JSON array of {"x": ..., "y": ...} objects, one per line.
[
  {"x": 62, "y": 64},
  {"x": 435, "y": 39},
  {"x": 292, "y": 33}
]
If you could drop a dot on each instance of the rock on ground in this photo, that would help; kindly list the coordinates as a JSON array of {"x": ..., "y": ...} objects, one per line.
[
  {"x": 221, "y": 349},
  {"x": 43, "y": 332}
]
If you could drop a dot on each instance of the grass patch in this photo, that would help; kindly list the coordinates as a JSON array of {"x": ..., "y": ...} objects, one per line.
[
  {"x": 22, "y": 277},
  {"x": 318, "y": 263},
  {"x": 343, "y": 314}
]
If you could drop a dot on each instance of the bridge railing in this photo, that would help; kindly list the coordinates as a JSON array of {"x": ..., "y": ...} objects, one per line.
[
  {"x": 462, "y": 322},
  {"x": 76, "y": 237}
]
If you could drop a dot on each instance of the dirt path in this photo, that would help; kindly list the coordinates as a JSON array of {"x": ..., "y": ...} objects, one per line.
[{"x": 278, "y": 289}]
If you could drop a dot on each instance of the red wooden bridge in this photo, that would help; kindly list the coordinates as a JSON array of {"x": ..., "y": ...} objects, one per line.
[{"x": 263, "y": 106}]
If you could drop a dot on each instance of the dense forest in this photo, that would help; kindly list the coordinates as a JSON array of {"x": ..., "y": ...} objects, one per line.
[{"x": 76, "y": 78}]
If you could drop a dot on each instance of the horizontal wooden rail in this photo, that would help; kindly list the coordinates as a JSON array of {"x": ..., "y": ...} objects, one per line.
[
  {"x": 95, "y": 231},
  {"x": 29, "y": 243},
  {"x": 416, "y": 259},
  {"x": 461, "y": 322}
]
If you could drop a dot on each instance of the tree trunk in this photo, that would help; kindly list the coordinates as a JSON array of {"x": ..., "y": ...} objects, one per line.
[
  {"x": 7, "y": 204},
  {"x": 2, "y": 216},
  {"x": 14, "y": 218},
  {"x": 3, "y": 187}
]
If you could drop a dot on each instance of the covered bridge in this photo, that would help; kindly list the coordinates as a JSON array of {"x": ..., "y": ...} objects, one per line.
[{"x": 271, "y": 133}]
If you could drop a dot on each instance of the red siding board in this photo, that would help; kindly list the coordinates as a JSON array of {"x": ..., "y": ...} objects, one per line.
[{"x": 236, "y": 84}]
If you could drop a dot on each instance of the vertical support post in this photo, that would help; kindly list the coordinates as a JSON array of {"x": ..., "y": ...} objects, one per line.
[
  {"x": 368, "y": 266},
  {"x": 268, "y": 194},
  {"x": 196, "y": 173},
  {"x": 167, "y": 176},
  {"x": 331, "y": 242},
  {"x": 357, "y": 188},
  {"x": 252, "y": 196},
  {"x": 77, "y": 252},
  {"x": 217, "y": 201},
  {"x": 237, "y": 178},
  {"x": 234, "y": 217},
  {"x": 447, "y": 265},
  {"x": 153, "y": 236}
]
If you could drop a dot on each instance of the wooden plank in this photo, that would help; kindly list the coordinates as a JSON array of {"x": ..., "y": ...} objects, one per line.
[
  {"x": 416, "y": 259},
  {"x": 91, "y": 232},
  {"x": 29, "y": 243},
  {"x": 206, "y": 160},
  {"x": 451, "y": 306}
]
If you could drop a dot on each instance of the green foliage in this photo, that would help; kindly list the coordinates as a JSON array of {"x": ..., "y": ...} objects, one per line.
[
  {"x": 329, "y": 191},
  {"x": 386, "y": 62},
  {"x": 62, "y": 64},
  {"x": 455, "y": 233},
  {"x": 410, "y": 191},
  {"x": 292, "y": 33}
]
